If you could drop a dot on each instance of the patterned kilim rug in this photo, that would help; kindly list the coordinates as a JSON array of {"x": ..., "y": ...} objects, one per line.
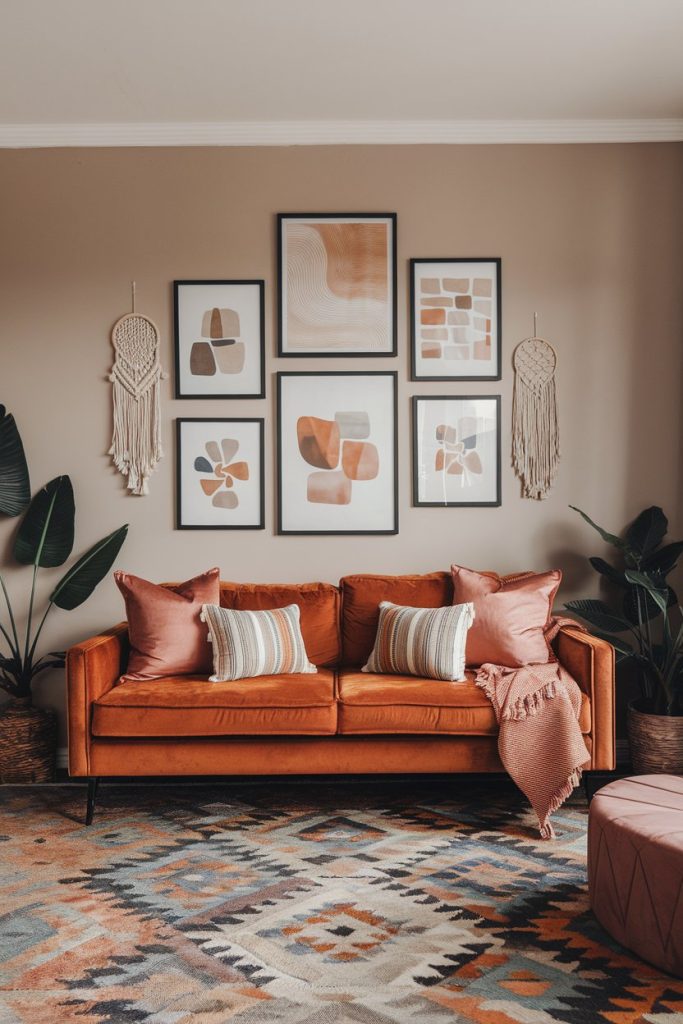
[{"x": 306, "y": 903}]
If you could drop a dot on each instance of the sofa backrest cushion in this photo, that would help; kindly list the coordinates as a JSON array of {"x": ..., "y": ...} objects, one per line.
[
  {"x": 318, "y": 603},
  {"x": 361, "y": 596}
]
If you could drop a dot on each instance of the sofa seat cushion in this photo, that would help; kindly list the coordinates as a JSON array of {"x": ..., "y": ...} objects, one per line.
[
  {"x": 297, "y": 705},
  {"x": 406, "y": 704}
]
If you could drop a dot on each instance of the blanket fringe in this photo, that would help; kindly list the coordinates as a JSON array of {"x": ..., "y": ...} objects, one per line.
[
  {"x": 557, "y": 799},
  {"x": 530, "y": 705}
]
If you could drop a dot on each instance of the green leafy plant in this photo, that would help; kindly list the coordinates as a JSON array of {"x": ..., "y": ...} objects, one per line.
[
  {"x": 647, "y": 627},
  {"x": 44, "y": 540}
]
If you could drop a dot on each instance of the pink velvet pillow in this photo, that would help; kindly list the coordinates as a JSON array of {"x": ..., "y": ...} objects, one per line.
[
  {"x": 511, "y": 615},
  {"x": 166, "y": 636}
]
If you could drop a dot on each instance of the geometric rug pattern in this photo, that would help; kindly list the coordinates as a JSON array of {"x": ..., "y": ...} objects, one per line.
[{"x": 420, "y": 902}]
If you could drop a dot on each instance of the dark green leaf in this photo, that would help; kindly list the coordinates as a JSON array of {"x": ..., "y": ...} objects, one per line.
[
  {"x": 647, "y": 531},
  {"x": 649, "y": 609},
  {"x": 46, "y": 534},
  {"x": 80, "y": 581},
  {"x": 607, "y": 570},
  {"x": 615, "y": 541},
  {"x": 664, "y": 560},
  {"x": 653, "y": 587},
  {"x": 15, "y": 489},
  {"x": 598, "y": 614}
]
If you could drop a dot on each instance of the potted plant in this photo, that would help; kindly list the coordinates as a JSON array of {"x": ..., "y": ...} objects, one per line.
[
  {"x": 645, "y": 629},
  {"x": 44, "y": 540}
]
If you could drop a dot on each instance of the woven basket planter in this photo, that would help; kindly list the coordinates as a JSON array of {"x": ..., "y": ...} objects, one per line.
[
  {"x": 28, "y": 743},
  {"x": 656, "y": 742}
]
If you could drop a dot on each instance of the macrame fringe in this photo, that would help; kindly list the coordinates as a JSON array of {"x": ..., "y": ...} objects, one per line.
[
  {"x": 136, "y": 442},
  {"x": 535, "y": 436}
]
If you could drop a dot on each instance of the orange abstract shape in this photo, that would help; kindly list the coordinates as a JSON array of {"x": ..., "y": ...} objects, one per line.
[
  {"x": 357, "y": 259},
  {"x": 210, "y": 486},
  {"x": 329, "y": 488},
  {"x": 360, "y": 460},
  {"x": 433, "y": 316},
  {"x": 239, "y": 470},
  {"x": 473, "y": 462},
  {"x": 318, "y": 441}
]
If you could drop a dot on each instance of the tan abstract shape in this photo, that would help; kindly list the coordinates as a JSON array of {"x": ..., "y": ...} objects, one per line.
[
  {"x": 230, "y": 358},
  {"x": 229, "y": 446},
  {"x": 360, "y": 460},
  {"x": 357, "y": 258},
  {"x": 220, "y": 323},
  {"x": 459, "y": 335},
  {"x": 213, "y": 451},
  {"x": 202, "y": 363},
  {"x": 432, "y": 317},
  {"x": 479, "y": 324},
  {"x": 458, "y": 316},
  {"x": 481, "y": 351},
  {"x": 437, "y": 300},
  {"x": 482, "y": 286},
  {"x": 456, "y": 284},
  {"x": 434, "y": 334},
  {"x": 473, "y": 462},
  {"x": 483, "y": 306},
  {"x": 240, "y": 470},
  {"x": 463, "y": 301},
  {"x": 210, "y": 486},
  {"x": 354, "y": 425},
  {"x": 318, "y": 441},
  {"x": 329, "y": 488},
  {"x": 430, "y": 285},
  {"x": 457, "y": 352},
  {"x": 225, "y": 499},
  {"x": 446, "y": 432},
  {"x": 431, "y": 350},
  {"x": 455, "y": 468}
]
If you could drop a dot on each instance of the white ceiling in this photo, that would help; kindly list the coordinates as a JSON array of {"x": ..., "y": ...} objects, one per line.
[{"x": 148, "y": 62}]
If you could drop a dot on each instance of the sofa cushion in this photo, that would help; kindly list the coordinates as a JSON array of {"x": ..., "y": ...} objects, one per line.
[
  {"x": 297, "y": 705},
  {"x": 361, "y": 597},
  {"x": 318, "y": 604},
  {"x": 406, "y": 704}
]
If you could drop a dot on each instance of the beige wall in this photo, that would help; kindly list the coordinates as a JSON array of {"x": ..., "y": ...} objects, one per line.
[{"x": 590, "y": 236}]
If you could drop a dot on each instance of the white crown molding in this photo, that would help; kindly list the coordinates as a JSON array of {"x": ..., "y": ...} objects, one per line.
[{"x": 339, "y": 133}]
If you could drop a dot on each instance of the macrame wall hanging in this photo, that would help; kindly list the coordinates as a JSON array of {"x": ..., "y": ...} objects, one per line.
[
  {"x": 136, "y": 443},
  {"x": 535, "y": 431}
]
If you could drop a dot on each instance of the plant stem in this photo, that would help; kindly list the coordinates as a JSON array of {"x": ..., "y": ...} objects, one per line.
[
  {"x": 15, "y": 649},
  {"x": 30, "y": 616},
  {"x": 38, "y": 632}
]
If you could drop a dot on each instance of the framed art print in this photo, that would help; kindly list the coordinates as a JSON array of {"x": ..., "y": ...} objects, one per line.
[
  {"x": 456, "y": 450},
  {"x": 337, "y": 455},
  {"x": 455, "y": 317},
  {"x": 219, "y": 339},
  {"x": 337, "y": 284},
  {"x": 219, "y": 474}
]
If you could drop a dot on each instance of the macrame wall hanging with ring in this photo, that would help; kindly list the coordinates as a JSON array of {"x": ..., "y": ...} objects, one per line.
[
  {"x": 136, "y": 443},
  {"x": 535, "y": 430}
]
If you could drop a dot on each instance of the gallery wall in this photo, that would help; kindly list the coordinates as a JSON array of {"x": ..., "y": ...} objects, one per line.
[{"x": 590, "y": 236}]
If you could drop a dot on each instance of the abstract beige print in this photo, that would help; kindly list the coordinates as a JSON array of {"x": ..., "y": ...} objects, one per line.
[{"x": 338, "y": 281}]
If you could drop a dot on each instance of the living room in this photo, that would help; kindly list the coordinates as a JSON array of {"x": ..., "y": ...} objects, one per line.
[{"x": 341, "y": 659}]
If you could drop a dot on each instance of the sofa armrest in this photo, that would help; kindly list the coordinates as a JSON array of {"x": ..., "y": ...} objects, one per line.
[
  {"x": 92, "y": 668},
  {"x": 590, "y": 661}
]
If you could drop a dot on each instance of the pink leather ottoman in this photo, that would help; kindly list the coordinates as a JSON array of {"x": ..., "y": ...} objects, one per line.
[{"x": 635, "y": 866}]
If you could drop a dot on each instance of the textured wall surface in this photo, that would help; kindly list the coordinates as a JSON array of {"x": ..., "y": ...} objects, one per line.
[{"x": 590, "y": 236}]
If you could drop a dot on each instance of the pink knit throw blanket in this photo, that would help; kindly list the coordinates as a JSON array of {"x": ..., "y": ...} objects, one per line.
[{"x": 537, "y": 708}]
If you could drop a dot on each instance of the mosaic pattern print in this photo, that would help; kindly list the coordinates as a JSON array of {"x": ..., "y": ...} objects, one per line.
[
  {"x": 373, "y": 903},
  {"x": 220, "y": 349}
]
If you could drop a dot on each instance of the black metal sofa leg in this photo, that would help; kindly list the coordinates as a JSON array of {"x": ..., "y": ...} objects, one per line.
[{"x": 92, "y": 795}]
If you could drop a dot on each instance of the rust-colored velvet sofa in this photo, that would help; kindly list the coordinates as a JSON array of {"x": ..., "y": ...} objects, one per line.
[{"x": 339, "y": 720}]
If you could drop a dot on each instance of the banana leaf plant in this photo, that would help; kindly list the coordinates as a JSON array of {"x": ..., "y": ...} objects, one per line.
[
  {"x": 44, "y": 540},
  {"x": 646, "y": 627}
]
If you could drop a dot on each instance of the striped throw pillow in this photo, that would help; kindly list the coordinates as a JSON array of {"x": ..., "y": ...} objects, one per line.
[
  {"x": 427, "y": 642},
  {"x": 249, "y": 644}
]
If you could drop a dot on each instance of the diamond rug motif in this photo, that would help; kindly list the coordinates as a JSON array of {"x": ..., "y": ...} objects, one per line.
[{"x": 306, "y": 903}]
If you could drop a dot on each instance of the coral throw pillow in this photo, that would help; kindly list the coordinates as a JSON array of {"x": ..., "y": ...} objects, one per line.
[
  {"x": 166, "y": 635},
  {"x": 511, "y": 615}
]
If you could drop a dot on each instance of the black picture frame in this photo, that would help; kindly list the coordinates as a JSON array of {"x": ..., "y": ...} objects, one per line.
[
  {"x": 179, "y": 523},
  {"x": 416, "y": 454},
  {"x": 413, "y": 265},
  {"x": 283, "y": 376},
  {"x": 391, "y": 218},
  {"x": 257, "y": 283}
]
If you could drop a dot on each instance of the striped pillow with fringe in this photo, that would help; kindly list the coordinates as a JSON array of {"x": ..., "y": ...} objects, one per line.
[
  {"x": 428, "y": 642},
  {"x": 263, "y": 643}
]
